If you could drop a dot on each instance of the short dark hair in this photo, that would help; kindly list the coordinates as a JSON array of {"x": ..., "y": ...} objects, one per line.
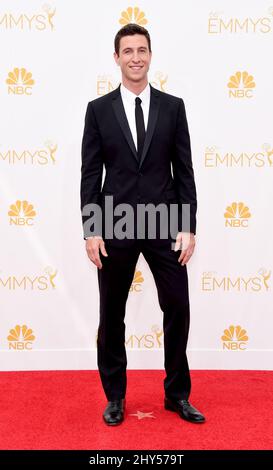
[{"x": 129, "y": 30}]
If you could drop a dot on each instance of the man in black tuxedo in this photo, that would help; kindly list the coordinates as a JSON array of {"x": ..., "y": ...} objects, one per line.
[{"x": 141, "y": 136}]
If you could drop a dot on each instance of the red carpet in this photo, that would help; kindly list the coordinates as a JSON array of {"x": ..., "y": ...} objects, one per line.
[{"x": 62, "y": 410}]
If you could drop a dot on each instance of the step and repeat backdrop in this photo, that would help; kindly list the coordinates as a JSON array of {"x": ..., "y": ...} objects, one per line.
[{"x": 55, "y": 57}]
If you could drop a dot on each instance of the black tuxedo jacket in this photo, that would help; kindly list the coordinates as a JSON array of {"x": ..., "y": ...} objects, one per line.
[{"x": 164, "y": 172}]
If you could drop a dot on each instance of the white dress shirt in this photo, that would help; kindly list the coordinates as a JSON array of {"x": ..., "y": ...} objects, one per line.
[{"x": 129, "y": 103}]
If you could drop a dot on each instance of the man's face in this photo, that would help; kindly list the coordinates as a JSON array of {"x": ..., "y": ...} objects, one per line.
[{"x": 134, "y": 57}]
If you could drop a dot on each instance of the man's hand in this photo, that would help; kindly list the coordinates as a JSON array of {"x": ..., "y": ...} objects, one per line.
[
  {"x": 188, "y": 244},
  {"x": 93, "y": 245}
]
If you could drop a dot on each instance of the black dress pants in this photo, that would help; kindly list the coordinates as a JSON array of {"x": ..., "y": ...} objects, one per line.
[{"x": 171, "y": 280}]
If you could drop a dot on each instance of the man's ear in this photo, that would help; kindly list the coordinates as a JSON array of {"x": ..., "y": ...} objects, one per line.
[{"x": 116, "y": 57}]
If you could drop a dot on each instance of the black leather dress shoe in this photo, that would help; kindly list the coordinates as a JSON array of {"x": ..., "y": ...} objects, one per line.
[
  {"x": 185, "y": 410},
  {"x": 114, "y": 412}
]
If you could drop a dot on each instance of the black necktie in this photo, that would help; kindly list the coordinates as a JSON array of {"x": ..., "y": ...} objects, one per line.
[{"x": 140, "y": 127}]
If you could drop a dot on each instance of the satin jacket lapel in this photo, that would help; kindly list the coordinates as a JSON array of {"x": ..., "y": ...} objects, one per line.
[
  {"x": 153, "y": 114},
  {"x": 123, "y": 122}
]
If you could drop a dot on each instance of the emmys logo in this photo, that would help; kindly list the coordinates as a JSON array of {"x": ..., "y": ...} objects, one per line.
[
  {"x": 21, "y": 213},
  {"x": 39, "y": 156},
  {"x": 27, "y": 282},
  {"x": 234, "y": 338},
  {"x": 29, "y": 22},
  {"x": 241, "y": 85},
  {"x": 105, "y": 83},
  {"x": 218, "y": 24},
  {"x": 237, "y": 215},
  {"x": 137, "y": 281},
  {"x": 159, "y": 81},
  {"x": 20, "y": 82},
  {"x": 215, "y": 158},
  {"x": 269, "y": 153},
  {"x": 257, "y": 283},
  {"x": 133, "y": 15},
  {"x": 21, "y": 338},
  {"x": 153, "y": 340}
]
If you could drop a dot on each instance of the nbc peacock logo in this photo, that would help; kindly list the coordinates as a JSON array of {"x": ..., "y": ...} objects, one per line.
[
  {"x": 235, "y": 338},
  {"x": 133, "y": 15},
  {"x": 20, "y": 82},
  {"x": 237, "y": 215},
  {"x": 21, "y": 338},
  {"x": 137, "y": 282},
  {"x": 241, "y": 85},
  {"x": 21, "y": 213}
]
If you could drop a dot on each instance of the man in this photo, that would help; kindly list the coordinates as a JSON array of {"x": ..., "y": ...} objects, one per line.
[{"x": 139, "y": 134}]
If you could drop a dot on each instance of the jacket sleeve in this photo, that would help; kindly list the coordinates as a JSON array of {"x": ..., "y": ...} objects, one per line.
[
  {"x": 91, "y": 169},
  {"x": 183, "y": 172}
]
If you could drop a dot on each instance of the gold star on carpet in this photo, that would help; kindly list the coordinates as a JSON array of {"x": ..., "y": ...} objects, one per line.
[{"x": 141, "y": 415}]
